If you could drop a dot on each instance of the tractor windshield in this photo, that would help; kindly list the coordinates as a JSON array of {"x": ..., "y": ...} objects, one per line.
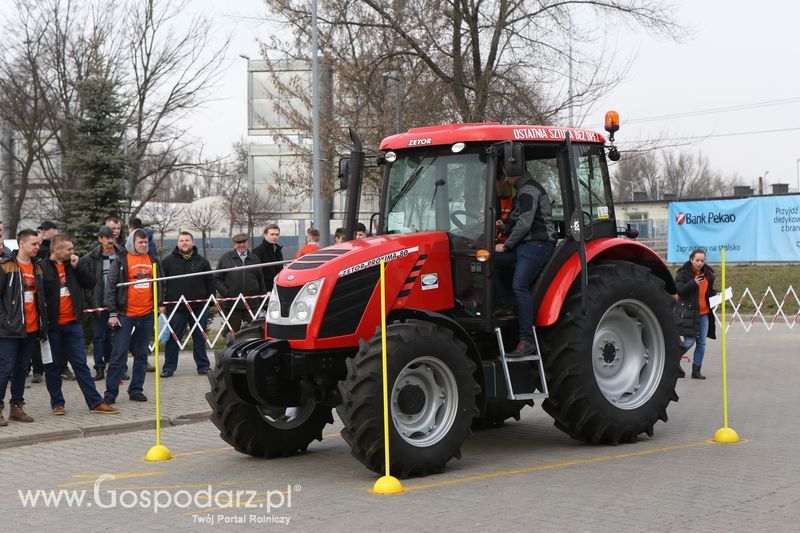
[{"x": 437, "y": 190}]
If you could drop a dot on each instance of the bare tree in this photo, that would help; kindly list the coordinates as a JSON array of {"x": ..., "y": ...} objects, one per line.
[
  {"x": 204, "y": 216},
  {"x": 172, "y": 70},
  {"x": 162, "y": 217},
  {"x": 252, "y": 209}
]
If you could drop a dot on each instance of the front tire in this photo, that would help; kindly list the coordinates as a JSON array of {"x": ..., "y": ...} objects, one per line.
[
  {"x": 612, "y": 370},
  {"x": 432, "y": 394},
  {"x": 263, "y": 431}
]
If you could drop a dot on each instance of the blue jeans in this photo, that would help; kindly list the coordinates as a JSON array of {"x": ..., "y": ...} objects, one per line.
[
  {"x": 15, "y": 359},
  {"x": 67, "y": 342},
  {"x": 531, "y": 258},
  {"x": 126, "y": 338},
  {"x": 699, "y": 337},
  {"x": 178, "y": 323},
  {"x": 101, "y": 340}
]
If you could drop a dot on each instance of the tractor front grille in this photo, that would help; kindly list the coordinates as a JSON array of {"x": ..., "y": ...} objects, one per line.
[{"x": 348, "y": 301}]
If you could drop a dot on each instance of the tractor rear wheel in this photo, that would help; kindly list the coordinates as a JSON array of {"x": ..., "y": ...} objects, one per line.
[
  {"x": 432, "y": 395},
  {"x": 263, "y": 431},
  {"x": 612, "y": 370}
]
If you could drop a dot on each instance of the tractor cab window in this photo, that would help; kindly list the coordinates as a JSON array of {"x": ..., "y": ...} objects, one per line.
[
  {"x": 594, "y": 187},
  {"x": 437, "y": 190}
]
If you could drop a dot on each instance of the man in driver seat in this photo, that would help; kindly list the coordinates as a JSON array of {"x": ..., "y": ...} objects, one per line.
[{"x": 532, "y": 241}]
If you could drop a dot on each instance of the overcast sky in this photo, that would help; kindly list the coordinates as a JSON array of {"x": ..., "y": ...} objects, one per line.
[{"x": 739, "y": 55}]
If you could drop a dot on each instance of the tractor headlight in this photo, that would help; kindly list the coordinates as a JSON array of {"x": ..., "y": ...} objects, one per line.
[
  {"x": 274, "y": 307},
  {"x": 301, "y": 311},
  {"x": 303, "y": 306}
]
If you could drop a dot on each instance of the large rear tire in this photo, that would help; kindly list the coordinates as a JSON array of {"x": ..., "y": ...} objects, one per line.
[
  {"x": 263, "y": 431},
  {"x": 432, "y": 395},
  {"x": 612, "y": 370}
]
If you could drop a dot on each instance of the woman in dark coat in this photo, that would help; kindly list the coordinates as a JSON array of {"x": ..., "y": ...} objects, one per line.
[{"x": 695, "y": 283}]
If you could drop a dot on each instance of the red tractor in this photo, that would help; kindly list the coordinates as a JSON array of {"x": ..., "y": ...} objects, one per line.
[{"x": 608, "y": 348}]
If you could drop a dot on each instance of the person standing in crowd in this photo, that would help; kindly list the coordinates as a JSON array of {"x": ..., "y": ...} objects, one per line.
[
  {"x": 47, "y": 231},
  {"x": 338, "y": 236},
  {"x": 23, "y": 320},
  {"x": 361, "y": 231},
  {"x": 184, "y": 259},
  {"x": 312, "y": 235},
  {"x": 270, "y": 251},
  {"x": 64, "y": 282},
  {"x": 136, "y": 223},
  {"x": 249, "y": 282},
  {"x": 532, "y": 241},
  {"x": 5, "y": 251},
  {"x": 98, "y": 262},
  {"x": 130, "y": 307},
  {"x": 695, "y": 284},
  {"x": 116, "y": 226}
]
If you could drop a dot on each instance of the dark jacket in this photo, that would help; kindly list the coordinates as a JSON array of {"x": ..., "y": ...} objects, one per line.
[
  {"x": 196, "y": 288},
  {"x": 117, "y": 297},
  {"x": 269, "y": 253},
  {"x": 78, "y": 280},
  {"x": 688, "y": 306},
  {"x": 44, "y": 250},
  {"x": 248, "y": 282},
  {"x": 93, "y": 262},
  {"x": 12, "y": 314},
  {"x": 532, "y": 217}
]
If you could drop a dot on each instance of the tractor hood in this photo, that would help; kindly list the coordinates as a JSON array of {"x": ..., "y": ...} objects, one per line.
[{"x": 334, "y": 293}]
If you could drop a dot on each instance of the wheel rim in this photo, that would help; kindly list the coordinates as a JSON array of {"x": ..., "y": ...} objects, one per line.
[
  {"x": 424, "y": 401},
  {"x": 628, "y": 354},
  {"x": 287, "y": 417}
]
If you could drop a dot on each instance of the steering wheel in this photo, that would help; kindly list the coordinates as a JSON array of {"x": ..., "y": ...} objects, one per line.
[{"x": 461, "y": 225}]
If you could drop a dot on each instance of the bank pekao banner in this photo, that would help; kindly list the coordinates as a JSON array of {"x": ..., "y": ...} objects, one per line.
[{"x": 762, "y": 228}]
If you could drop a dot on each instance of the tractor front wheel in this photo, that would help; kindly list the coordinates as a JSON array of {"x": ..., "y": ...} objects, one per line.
[{"x": 431, "y": 399}]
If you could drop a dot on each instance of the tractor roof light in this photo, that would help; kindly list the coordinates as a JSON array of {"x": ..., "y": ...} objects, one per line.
[
  {"x": 612, "y": 122},
  {"x": 482, "y": 255},
  {"x": 390, "y": 157},
  {"x": 457, "y": 147}
]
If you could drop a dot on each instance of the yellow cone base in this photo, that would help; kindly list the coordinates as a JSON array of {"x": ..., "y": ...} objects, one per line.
[
  {"x": 158, "y": 453},
  {"x": 387, "y": 485},
  {"x": 726, "y": 436}
]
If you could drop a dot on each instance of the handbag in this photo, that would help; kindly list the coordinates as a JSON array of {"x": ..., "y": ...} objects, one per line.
[{"x": 164, "y": 330}]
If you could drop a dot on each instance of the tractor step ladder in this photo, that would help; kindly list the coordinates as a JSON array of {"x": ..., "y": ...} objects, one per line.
[{"x": 537, "y": 357}]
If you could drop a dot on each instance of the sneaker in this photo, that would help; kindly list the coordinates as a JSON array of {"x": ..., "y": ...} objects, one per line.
[
  {"x": 138, "y": 397},
  {"x": 59, "y": 410},
  {"x": 126, "y": 377},
  {"x": 100, "y": 374},
  {"x": 523, "y": 349},
  {"x": 167, "y": 373},
  {"x": 203, "y": 372},
  {"x": 28, "y": 382},
  {"x": 104, "y": 408},
  {"x": 37, "y": 378},
  {"x": 150, "y": 368},
  {"x": 67, "y": 375}
]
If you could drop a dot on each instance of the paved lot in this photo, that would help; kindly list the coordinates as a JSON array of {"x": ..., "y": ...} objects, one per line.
[{"x": 527, "y": 476}]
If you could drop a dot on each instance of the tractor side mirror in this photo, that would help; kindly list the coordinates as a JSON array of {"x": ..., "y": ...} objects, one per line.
[
  {"x": 513, "y": 159},
  {"x": 344, "y": 173}
]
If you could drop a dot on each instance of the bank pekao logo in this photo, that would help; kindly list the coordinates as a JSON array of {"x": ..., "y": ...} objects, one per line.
[{"x": 705, "y": 218}]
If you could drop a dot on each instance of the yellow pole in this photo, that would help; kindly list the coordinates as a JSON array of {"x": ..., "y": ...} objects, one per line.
[
  {"x": 157, "y": 452},
  {"x": 724, "y": 434},
  {"x": 385, "y": 484}
]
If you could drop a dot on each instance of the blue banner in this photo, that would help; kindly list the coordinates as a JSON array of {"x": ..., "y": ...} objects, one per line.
[{"x": 751, "y": 229}]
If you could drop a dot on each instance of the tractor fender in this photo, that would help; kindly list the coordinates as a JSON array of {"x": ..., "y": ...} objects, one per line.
[
  {"x": 598, "y": 250},
  {"x": 458, "y": 331}
]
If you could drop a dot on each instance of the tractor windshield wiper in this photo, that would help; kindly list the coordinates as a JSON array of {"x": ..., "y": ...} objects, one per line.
[{"x": 410, "y": 183}]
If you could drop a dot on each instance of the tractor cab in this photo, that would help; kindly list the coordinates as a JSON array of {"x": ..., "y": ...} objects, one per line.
[{"x": 445, "y": 178}]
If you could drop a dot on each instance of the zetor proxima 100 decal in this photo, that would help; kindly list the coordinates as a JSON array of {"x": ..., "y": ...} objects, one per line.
[{"x": 376, "y": 261}]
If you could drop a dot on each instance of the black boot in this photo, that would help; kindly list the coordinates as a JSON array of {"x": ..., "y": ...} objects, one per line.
[
  {"x": 681, "y": 373},
  {"x": 696, "y": 372},
  {"x": 100, "y": 374}
]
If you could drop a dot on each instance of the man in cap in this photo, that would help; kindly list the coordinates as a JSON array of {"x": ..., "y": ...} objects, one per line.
[
  {"x": 245, "y": 282},
  {"x": 98, "y": 261}
]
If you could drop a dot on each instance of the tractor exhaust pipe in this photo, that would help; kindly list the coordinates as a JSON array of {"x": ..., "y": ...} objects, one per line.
[{"x": 353, "y": 186}]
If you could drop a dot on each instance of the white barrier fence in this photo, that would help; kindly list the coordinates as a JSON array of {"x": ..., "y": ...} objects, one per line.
[{"x": 746, "y": 312}]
